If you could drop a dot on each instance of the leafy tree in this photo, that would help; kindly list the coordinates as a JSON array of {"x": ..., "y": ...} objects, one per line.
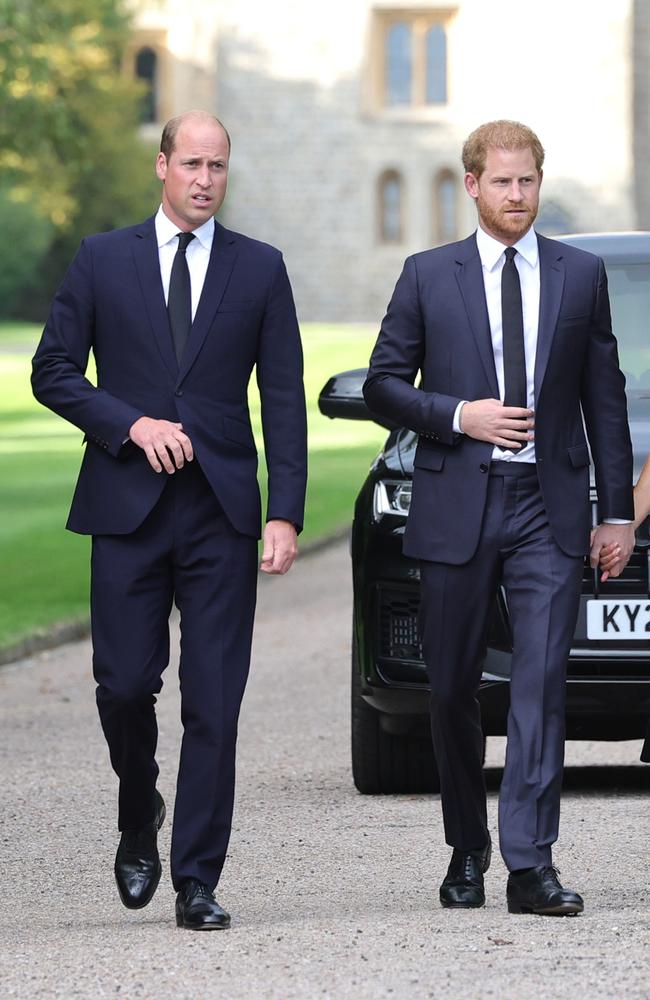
[{"x": 69, "y": 146}]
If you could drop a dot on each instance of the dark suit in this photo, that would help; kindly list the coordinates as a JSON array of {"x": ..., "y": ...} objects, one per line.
[
  {"x": 190, "y": 537},
  {"x": 529, "y": 529}
]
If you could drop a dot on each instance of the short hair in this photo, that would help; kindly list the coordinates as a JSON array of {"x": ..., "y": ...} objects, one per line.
[
  {"x": 171, "y": 129},
  {"x": 501, "y": 134}
]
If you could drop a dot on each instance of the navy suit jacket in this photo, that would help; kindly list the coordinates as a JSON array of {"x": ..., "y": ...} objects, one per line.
[
  {"x": 437, "y": 324},
  {"x": 112, "y": 302}
]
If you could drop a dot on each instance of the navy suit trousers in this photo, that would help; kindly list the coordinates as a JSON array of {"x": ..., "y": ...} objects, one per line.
[
  {"x": 542, "y": 587},
  {"x": 185, "y": 552}
]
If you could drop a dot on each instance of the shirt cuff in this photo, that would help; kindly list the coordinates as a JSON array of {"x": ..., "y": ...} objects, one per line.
[
  {"x": 456, "y": 424},
  {"x": 616, "y": 520}
]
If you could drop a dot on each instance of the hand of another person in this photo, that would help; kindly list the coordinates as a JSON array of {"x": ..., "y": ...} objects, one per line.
[
  {"x": 613, "y": 543},
  {"x": 280, "y": 547},
  {"x": 608, "y": 557},
  {"x": 163, "y": 442},
  {"x": 489, "y": 420}
]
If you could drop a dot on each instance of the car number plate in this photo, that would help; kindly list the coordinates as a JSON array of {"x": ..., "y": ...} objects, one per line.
[{"x": 612, "y": 619}]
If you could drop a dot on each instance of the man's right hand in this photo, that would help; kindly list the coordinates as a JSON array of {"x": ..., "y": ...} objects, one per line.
[
  {"x": 489, "y": 420},
  {"x": 164, "y": 443}
]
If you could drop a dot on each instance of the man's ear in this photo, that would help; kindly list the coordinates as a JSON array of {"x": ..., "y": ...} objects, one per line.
[
  {"x": 161, "y": 166},
  {"x": 471, "y": 185}
]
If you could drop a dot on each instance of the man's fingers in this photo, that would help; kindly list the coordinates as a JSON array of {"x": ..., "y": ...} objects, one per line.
[
  {"x": 280, "y": 547},
  {"x": 609, "y": 556},
  {"x": 150, "y": 452},
  {"x": 594, "y": 554},
  {"x": 186, "y": 445},
  {"x": 518, "y": 413},
  {"x": 267, "y": 555},
  {"x": 165, "y": 459},
  {"x": 164, "y": 443}
]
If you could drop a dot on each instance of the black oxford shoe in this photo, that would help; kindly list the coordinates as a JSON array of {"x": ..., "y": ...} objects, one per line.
[
  {"x": 198, "y": 910},
  {"x": 462, "y": 887},
  {"x": 539, "y": 891},
  {"x": 137, "y": 864}
]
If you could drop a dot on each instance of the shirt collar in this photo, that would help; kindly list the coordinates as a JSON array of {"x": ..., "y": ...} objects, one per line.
[
  {"x": 491, "y": 251},
  {"x": 166, "y": 231}
]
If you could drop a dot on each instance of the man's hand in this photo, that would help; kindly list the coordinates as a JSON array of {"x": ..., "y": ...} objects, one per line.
[
  {"x": 164, "y": 443},
  {"x": 611, "y": 545},
  {"x": 280, "y": 547},
  {"x": 489, "y": 420}
]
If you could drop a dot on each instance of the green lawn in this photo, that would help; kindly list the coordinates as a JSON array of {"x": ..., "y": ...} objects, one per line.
[{"x": 44, "y": 569}]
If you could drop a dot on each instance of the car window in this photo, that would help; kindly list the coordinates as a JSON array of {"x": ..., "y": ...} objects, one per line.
[{"x": 629, "y": 290}]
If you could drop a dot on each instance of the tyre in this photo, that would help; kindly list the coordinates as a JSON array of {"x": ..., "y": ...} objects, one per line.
[{"x": 390, "y": 754}]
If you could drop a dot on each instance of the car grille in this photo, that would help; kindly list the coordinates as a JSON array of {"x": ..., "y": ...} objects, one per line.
[{"x": 399, "y": 637}]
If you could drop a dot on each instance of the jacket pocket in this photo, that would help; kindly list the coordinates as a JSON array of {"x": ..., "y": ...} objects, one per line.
[
  {"x": 235, "y": 305},
  {"x": 432, "y": 460},
  {"x": 578, "y": 455},
  {"x": 238, "y": 431}
]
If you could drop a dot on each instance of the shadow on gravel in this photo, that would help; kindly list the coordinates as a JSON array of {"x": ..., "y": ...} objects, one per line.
[{"x": 591, "y": 780}]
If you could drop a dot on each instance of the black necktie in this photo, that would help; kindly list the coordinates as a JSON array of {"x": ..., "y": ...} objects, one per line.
[
  {"x": 179, "y": 302},
  {"x": 514, "y": 355}
]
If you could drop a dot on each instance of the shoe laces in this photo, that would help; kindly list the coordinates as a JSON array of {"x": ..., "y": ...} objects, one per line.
[
  {"x": 195, "y": 888},
  {"x": 552, "y": 872}
]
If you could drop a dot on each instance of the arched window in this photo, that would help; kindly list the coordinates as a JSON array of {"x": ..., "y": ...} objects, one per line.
[
  {"x": 146, "y": 66},
  {"x": 445, "y": 200},
  {"x": 391, "y": 208},
  {"x": 399, "y": 64},
  {"x": 436, "y": 65}
]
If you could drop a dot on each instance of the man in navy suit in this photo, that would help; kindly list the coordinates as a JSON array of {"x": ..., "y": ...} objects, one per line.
[
  {"x": 512, "y": 335},
  {"x": 178, "y": 311}
]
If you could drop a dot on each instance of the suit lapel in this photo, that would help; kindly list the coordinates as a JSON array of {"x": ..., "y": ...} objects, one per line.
[
  {"x": 551, "y": 276},
  {"x": 222, "y": 259},
  {"x": 469, "y": 274},
  {"x": 147, "y": 264}
]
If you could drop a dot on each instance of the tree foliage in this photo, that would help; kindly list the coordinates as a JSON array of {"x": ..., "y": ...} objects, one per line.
[{"x": 69, "y": 146}]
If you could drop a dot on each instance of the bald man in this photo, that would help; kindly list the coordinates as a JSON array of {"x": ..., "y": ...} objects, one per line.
[{"x": 177, "y": 311}]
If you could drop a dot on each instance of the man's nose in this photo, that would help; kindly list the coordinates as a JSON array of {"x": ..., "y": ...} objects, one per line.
[
  {"x": 203, "y": 177},
  {"x": 515, "y": 193}
]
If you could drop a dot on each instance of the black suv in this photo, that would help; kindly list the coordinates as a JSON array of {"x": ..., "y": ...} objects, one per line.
[{"x": 608, "y": 679}]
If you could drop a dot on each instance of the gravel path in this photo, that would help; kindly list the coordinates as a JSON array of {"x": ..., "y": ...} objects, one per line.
[{"x": 333, "y": 895}]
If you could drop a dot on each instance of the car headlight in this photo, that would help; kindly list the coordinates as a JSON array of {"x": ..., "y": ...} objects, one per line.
[{"x": 391, "y": 498}]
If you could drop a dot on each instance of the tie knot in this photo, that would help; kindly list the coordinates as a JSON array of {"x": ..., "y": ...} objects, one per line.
[
  {"x": 510, "y": 254},
  {"x": 184, "y": 239}
]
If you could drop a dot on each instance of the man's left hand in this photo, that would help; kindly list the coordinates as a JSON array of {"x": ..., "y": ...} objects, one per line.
[
  {"x": 280, "y": 547},
  {"x": 618, "y": 539}
]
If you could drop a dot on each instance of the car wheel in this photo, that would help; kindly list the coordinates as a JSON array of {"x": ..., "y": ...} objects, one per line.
[{"x": 390, "y": 754}]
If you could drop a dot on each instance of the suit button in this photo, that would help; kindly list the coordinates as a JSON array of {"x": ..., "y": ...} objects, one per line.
[
  {"x": 484, "y": 467},
  {"x": 179, "y": 392}
]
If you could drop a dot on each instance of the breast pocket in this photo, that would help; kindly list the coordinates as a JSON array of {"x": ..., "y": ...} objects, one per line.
[{"x": 235, "y": 305}]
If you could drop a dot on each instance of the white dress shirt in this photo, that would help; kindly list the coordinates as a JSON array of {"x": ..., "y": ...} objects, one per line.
[
  {"x": 197, "y": 254},
  {"x": 492, "y": 254}
]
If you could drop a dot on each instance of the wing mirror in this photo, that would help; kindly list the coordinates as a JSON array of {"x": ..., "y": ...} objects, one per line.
[{"x": 342, "y": 397}]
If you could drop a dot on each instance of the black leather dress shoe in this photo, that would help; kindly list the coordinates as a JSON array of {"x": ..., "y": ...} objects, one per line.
[
  {"x": 539, "y": 891},
  {"x": 462, "y": 887},
  {"x": 137, "y": 864},
  {"x": 198, "y": 910}
]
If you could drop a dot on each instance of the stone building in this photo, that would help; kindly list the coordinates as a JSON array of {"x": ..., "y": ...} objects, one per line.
[{"x": 347, "y": 119}]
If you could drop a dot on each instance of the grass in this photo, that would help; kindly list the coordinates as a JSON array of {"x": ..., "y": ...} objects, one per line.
[{"x": 44, "y": 578}]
